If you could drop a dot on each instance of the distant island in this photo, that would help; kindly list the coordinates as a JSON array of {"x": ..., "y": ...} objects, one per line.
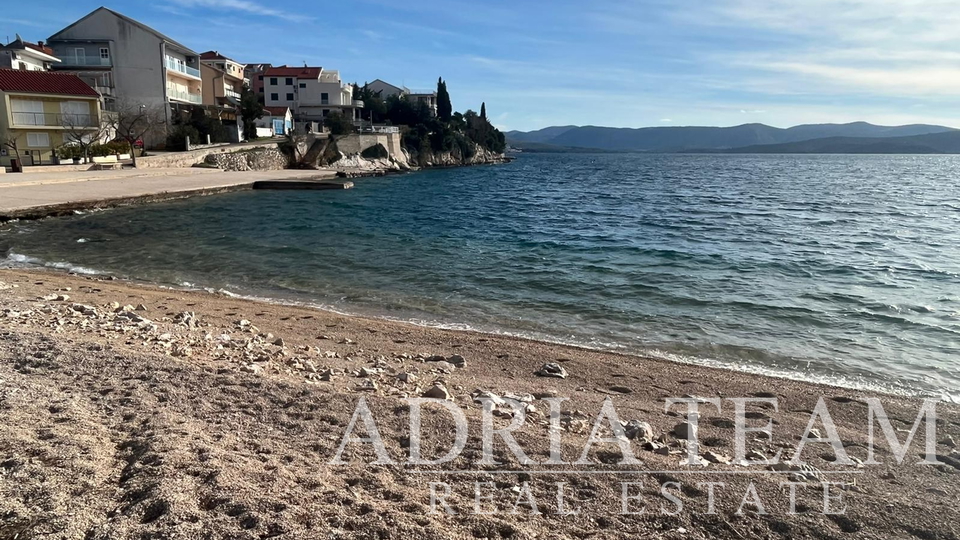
[{"x": 852, "y": 138}]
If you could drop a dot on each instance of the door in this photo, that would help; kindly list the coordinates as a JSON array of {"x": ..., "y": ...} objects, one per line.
[{"x": 278, "y": 126}]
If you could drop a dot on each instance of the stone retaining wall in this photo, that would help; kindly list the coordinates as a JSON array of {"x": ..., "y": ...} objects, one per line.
[
  {"x": 259, "y": 159},
  {"x": 168, "y": 160}
]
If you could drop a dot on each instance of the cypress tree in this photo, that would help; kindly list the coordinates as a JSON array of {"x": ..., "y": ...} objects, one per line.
[
  {"x": 483, "y": 111},
  {"x": 444, "y": 107}
]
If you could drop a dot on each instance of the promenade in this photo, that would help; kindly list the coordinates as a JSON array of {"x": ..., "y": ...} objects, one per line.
[{"x": 38, "y": 195}]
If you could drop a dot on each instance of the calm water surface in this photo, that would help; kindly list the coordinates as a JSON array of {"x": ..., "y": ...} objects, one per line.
[{"x": 828, "y": 268}]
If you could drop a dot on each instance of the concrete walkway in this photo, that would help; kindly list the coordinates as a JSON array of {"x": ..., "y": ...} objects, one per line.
[{"x": 43, "y": 194}]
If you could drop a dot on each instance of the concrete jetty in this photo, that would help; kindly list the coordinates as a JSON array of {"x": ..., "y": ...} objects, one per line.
[{"x": 40, "y": 194}]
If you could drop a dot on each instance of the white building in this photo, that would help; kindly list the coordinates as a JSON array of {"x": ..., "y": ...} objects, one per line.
[
  {"x": 23, "y": 55},
  {"x": 312, "y": 93}
]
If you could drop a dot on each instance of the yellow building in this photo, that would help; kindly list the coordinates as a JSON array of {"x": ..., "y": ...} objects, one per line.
[{"x": 41, "y": 111}]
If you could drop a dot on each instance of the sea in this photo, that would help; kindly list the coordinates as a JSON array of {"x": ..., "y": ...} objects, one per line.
[{"x": 839, "y": 269}]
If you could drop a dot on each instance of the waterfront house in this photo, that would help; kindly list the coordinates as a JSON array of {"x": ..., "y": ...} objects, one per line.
[
  {"x": 223, "y": 80},
  {"x": 42, "y": 111},
  {"x": 276, "y": 121},
  {"x": 129, "y": 63},
  {"x": 20, "y": 54},
  {"x": 385, "y": 90},
  {"x": 312, "y": 93}
]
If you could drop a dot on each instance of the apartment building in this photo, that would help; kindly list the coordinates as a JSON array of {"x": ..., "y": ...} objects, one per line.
[
  {"x": 311, "y": 93},
  {"x": 23, "y": 55}
]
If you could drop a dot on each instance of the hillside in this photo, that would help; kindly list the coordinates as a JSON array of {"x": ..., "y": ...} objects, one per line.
[
  {"x": 674, "y": 139},
  {"x": 935, "y": 143}
]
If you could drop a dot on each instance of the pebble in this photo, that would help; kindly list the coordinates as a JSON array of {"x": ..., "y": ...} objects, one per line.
[
  {"x": 552, "y": 369},
  {"x": 406, "y": 377},
  {"x": 458, "y": 361},
  {"x": 278, "y": 342}
]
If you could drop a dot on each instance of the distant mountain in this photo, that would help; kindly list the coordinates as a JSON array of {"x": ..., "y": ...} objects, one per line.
[
  {"x": 674, "y": 139},
  {"x": 933, "y": 143},
  {"x": 540, "y": 148},
  {"x": 538, "y": 136}
]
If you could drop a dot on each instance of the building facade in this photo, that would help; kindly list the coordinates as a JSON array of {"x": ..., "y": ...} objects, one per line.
[
  {"x": 312, "y": 93},
  {"x": 129, "y": 63},
  {"x": 43, "y": 111},
  {"x": 23, "y": 55},
  {"x": 223, "y": 80}
]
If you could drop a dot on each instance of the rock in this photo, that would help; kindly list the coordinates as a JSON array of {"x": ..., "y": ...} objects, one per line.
[
  {"x": 127, "y": 307},
  {"x": 252, "y": 368},
  {"x": 949, "y": 442},
  {"x": 713, "y": 457},
  {"x": 635, "y": 429},
  {"x": 479, "y": 394},
  {"x": 437, "y": 391},
  {"x": 458, "y": 361},
  {"x": 243, "y": 323},
  {"x": 444, "y": 366},
  {"x": 755, "y": 455},
  {"x": 435, "y": 358},
  {"x": 552, "y": 369},
  {"x": 326, "y": 375},
  {"x": 141, "y": 307},
  {"x": 84, "y": 309},
  {"x": 186, "y": 318},
  {"x": 367, "y": 372},
  {"x": 684, "y": 430},
  {"x": 368, "y": 385},
  {"x": 406, "y": 377},
  {"x": 621, "y": 389},
  {"x": 543, "y": 394},
  {"x": 278, "y": 342}
]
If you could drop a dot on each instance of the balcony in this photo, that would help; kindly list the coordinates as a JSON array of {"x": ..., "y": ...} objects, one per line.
[
  {"x": 184, "y": 96},
  {"x": 54, "y": 119},
  {"x": 180, "y": 67},
  {"x": 83, "y": 60},
  {"x": 232, "y": 94},
  {"x": 358, "y": 103}
]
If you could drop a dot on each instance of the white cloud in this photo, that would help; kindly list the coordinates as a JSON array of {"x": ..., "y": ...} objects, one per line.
[{"x": 243, "y": 5}]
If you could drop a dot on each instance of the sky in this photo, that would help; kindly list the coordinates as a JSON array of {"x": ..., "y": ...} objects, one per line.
[{"x": 627, "y": 63}]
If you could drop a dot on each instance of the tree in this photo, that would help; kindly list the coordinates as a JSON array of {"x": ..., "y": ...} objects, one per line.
[
  {"x": 444, "y": 107},
  {"x": 79, "y": 130},
  {"x": 338, "y": 124},
  {"x": 132, "y": 121},
  {"x": 251, "y": 110},
  {"x": 10, "y": 141},
  {"x": 483, "y": 111},
  {"x": 373, "y": 103}
]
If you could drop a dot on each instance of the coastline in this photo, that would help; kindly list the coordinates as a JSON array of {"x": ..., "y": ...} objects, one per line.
[{"x": 232, "y": 401}]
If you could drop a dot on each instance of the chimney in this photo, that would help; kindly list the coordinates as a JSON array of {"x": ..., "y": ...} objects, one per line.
[{"x": 40, "y": 43}]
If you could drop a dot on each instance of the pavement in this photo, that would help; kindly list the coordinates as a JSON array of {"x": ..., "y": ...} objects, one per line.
[{"x": 41, "y": 194}]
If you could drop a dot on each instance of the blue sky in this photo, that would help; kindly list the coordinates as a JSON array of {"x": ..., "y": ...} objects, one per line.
[{"x": 626, "y": 63}]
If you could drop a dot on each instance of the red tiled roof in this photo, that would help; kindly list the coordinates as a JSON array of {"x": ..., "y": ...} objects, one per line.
[
  {"x": 299, "y": 72},
  {"x": 276, "y": 111},
  {"x": 44, "y": 82},
  {"x": 42, "y": 48},
  {"x": 212, "y": 55}
]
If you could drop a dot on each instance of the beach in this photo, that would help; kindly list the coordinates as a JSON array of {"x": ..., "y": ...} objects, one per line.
[{"x": 131, "y": 410}]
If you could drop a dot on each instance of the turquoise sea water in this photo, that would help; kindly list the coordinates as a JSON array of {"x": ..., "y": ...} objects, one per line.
[{"x": 830, "y": 268}]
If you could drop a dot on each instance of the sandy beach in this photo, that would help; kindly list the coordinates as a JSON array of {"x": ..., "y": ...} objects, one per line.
[{"x": 132, "y": 411}]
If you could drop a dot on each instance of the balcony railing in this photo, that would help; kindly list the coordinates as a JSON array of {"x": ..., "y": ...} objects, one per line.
[
  {"x": 184, "y": 96},
  {"x": 232, "y": 94},
  {"x": 53, "y": 119},
  {"x": 358, "y": 103},
  {"x": 180, "y": 67},
  {"x": 83, "y": 60}
]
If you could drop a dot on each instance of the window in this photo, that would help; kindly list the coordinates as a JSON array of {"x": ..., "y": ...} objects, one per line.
[
  {"x": 38, "y": 140},
  {"x": 274, "y": 97},
  {"x": 260, "y": 89},
  {"x": 289, "y": 81},
  {"x": 104, "y": 53},
  {"x": 289, "y": 97},
  {"x": 324, "y": 98},
  {"x": 273, "y": 81},
  {"x": 303, "y": 85},
  {"x": 259, "y": 77},
  {"x": 325, "y": 112}
]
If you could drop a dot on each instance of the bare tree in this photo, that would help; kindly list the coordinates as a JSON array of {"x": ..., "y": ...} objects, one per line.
[
  {"x": 132, "y": 121},
  {"x": 84, "y": 131},
  {"x": 9, "y": 140}
]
